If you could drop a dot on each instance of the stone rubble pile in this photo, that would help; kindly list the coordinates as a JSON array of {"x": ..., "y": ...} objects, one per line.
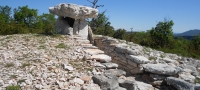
[{"x": 44, "y": 63}]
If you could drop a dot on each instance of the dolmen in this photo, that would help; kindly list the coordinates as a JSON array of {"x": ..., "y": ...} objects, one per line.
[{"x": 72, "y": 18}]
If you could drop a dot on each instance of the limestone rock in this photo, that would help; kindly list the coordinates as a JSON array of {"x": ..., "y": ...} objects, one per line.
[
  {"x": 136, "y": 85},
  {"x": 90, "y": 35},
  {"x": 162, "y": 69},
  {"x": 110, "y": 65},
  {"x": 197, "y": 87},
  {"x": 73, "y": 11},
  {"x": 179, "y": 84},
  {"x": 94, "y": 51},
  {"x": 107, "y": 82},
  {"x": 90, "y": 87},
  {"x": 78, "y": 80},
  {"x": 187, "y": 77},
  {"x": 70, "y": 68},
  {"x": 138, "y": 59},
  {"x": 115, "y": 72},
  {"x": 101, "y": 58},
  {"x": 81, "y": 28},
  {"x": 194, "y": 70}
]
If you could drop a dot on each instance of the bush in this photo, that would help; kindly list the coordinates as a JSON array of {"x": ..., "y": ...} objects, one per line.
[{"x": 17, "y": 87}]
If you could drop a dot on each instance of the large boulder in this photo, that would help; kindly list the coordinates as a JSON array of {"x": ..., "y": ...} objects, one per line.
[
  {"x": 163, "y": 69},
  {"x": 73, "y": 11}
]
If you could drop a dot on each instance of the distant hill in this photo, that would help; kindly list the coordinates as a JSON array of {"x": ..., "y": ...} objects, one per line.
[{"x": 193, "y": 32}]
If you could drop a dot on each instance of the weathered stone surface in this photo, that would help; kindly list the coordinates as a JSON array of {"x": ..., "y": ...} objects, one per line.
[
  {"x": 110, "y": 65},
  {"x": 194, "y": 70},
  {"x": 94, "y": 51},
  {"x": 73, "y": 11},
  {"x": 187, "y": 77},
  {"x": 138, "y": 59},
  {"x": 70, "y": 68},
  {"x": 90, "y": 35},
  {"x": 139, "y": 69},
  {"x": 162, "y": 69},
  {"x": 78, "y": 80},
  {"x": 179, "y": 84},
  {"x": 168, "y": 60},
  {"x": 135, "y": 85},
  {"x": 101, "y": 58},
  {"x": 91, "y": 87},
  {"x": 107, "y": 82},
  {"x": 81, "y": 28},
  {"x": 115, "y": 72},
  {"x": 197, "y": 87}
]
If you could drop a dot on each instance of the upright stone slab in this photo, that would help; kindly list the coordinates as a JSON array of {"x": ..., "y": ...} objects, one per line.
[{"x": 81, "y": 28}]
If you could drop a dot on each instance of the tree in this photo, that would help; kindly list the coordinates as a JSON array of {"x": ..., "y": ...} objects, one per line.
[
  {"x": 162, "y": 34},
  {"x": 46, "y": 22},
  {"x": 5, "y": 12},
  {"x": 195, "y": 44},
  {"x": 24, "y": 15},
  {"x": 120, "y": 34}
]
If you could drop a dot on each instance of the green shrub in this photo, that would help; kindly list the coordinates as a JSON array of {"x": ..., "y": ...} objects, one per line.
[
  {"x": 61, "y": 45},
  {"x": 17, "y": 87},
  {"x": 11, "y": 64}
]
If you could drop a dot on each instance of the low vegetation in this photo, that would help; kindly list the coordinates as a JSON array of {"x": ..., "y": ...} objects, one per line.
[
  {"x": 11, "y": 64},
  {"x": 16, "y": 87},
  {"x": 62, "y": 45}
]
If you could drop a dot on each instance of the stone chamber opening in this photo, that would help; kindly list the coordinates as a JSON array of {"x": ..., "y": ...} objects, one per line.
[{"x": 70, "y": 21}]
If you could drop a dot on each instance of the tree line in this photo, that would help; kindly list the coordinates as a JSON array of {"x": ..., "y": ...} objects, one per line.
[{"x": 25, "y": 20}]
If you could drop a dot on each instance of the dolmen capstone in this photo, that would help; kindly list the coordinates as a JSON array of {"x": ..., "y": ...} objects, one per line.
[{"x": 72, "y": 18}]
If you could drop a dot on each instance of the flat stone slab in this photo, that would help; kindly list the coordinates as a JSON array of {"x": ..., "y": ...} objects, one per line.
[
  {"x": 162, "y": 69},
  {"x": 83, "y": 41},
  {"x": 115, "y": 72},
  {"x": 179, "y": 84},
  {"x": 101, "y": 58},
  {"x": 110, "y": 65},
  {"x": 94, "y": 51},
  {"x": 73, "y": 11},
  {"x": 138, "y": 59}
]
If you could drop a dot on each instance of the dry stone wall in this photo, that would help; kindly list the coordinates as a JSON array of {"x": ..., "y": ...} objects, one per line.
[{"x": 129, "y": 59}]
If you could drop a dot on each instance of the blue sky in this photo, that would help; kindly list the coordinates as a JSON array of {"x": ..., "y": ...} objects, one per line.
[{"x": 140, "y": 14}]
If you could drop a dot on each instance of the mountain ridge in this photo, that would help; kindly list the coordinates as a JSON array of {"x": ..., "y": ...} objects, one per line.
[{"x": 193, "y": 32}]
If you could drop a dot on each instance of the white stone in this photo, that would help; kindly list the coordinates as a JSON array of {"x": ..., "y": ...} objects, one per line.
[
  {"x": 94, "y": 51},
  {"x": 138, "y": 59},
  {"x": 73, "y": 11},
  {"x": 162, "y": 69},
  {"x": 70, "y": 68},
  {"x": 78, "y": 80},
  {"x": 167, "y": 60},
  {"x": 187, "y": 77},
  {"x": 101, "y": 58}
]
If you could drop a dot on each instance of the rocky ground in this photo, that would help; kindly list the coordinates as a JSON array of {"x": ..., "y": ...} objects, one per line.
[
  {"x": 60, "y": 62},
  {"x": 44, "y": 62}
]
